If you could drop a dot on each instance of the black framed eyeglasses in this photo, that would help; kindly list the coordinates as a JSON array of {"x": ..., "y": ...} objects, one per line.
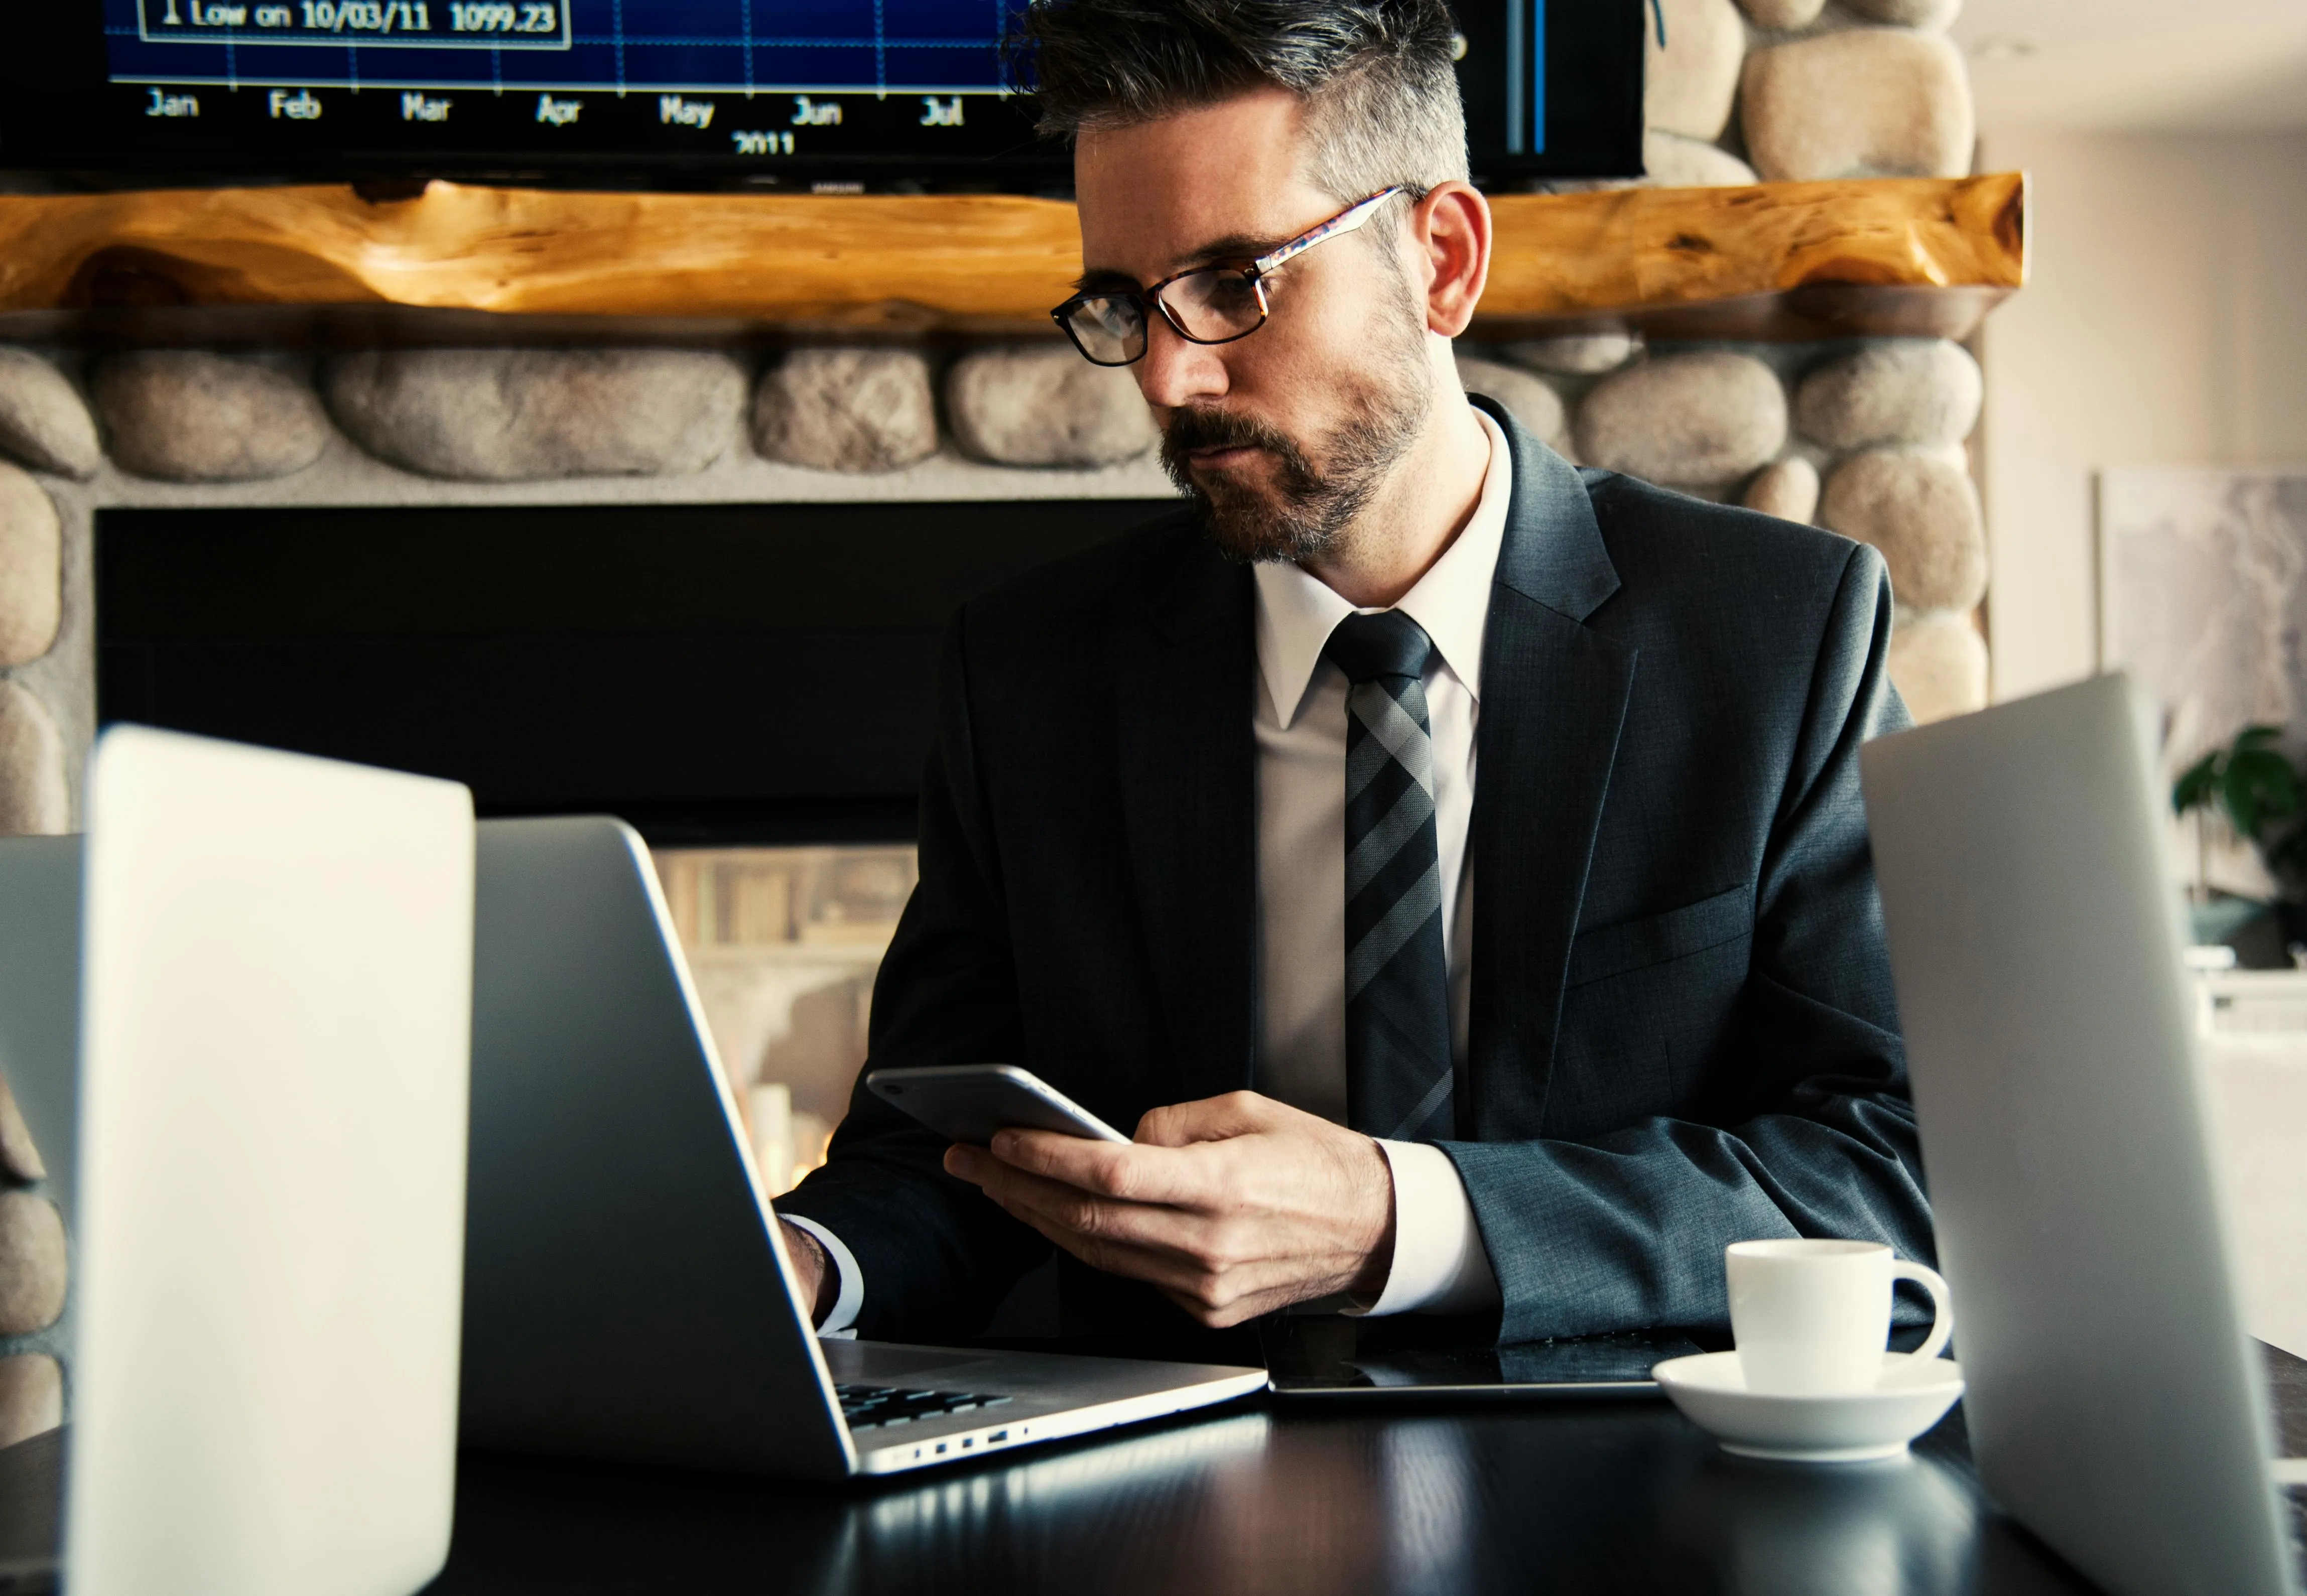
[{"x": 1210, "y": 305}]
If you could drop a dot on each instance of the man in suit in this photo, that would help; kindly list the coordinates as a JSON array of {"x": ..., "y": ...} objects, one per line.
[{"x": 1451, "y": 861}]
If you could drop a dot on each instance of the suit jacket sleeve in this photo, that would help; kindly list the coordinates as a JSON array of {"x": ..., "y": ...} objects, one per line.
[
  {"x": 936, "y": 1254},
  {"x": 1811, "y": 1133}
]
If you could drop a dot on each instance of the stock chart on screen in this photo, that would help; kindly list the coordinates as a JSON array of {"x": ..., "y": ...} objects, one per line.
[
  {"x": 762, "y": 79},
  {"x": 634, "y": 93}
]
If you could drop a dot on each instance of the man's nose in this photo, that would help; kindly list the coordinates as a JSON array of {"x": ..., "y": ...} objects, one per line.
[{"x": 1176, "y": 371}]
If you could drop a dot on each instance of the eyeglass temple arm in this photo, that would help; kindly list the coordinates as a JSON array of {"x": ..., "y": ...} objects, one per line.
[{"x": 1354, "y": 215}]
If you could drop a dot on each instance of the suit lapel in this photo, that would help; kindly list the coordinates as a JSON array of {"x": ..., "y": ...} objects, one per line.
[
  {"x": 1187, "y": 760},
  {"x": 1554, "y": 699}
]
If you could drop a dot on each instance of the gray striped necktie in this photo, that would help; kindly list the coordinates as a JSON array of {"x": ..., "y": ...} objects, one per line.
[{"x": 1397, "y": 991}]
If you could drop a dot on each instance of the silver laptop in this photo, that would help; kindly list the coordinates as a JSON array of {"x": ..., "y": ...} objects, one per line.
[
  {"x": 2115, "y": 1407},
  {"x": 251, "y": 989},
  {"x": 627, "y": 1291}
]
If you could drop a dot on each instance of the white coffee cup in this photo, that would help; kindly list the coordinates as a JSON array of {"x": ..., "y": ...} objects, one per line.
[{"x": 1812, "y": 1318}]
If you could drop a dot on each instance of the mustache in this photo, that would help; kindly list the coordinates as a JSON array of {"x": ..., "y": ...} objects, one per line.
[{"x": 1208, "y": 427}]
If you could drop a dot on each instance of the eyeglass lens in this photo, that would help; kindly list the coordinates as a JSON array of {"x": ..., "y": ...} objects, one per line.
[
  {"x": 1209, "y": 307},
  {"x": 1107, "y": 328}
]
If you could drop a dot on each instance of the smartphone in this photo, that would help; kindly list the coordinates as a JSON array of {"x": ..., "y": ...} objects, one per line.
[{"x": 968, "y": 1103}]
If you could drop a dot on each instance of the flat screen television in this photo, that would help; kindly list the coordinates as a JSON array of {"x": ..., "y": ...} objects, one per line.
[{"x": 628, "y": 93}]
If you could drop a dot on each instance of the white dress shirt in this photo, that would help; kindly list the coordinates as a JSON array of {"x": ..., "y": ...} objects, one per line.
[
  {"x": 1299, "y": 721},
  {"x": 1439, "y": 1265}
]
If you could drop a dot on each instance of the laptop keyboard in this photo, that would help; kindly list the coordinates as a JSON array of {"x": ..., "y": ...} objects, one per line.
[{"x": 872, "y": 1407}]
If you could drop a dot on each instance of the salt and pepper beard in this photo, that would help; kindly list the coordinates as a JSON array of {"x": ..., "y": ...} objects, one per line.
[{"x": 1324, "y": 490}]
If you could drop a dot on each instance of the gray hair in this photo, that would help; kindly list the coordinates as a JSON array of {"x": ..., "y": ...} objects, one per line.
[{"x": 1375, "y": 76}]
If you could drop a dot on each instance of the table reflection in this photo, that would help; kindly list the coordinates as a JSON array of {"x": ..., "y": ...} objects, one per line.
[
  {"x": 1605, "y": 1497},
  {"x": 1881, "y": 1529}
]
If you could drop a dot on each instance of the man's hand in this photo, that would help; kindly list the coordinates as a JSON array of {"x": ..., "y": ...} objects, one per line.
[
  {"x": 821, "y": 1283},
  {"x": 1233, "y": 1206}
]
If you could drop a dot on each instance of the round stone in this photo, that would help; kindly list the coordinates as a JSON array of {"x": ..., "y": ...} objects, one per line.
[
  {"x": 20, "y": 1156},
  {"x": 1697, "y": 420},
  {"x": 191, "y": 416},
  {"x": 1783, "y": 16},
  {"x": 1579, "y": 354},
  {"x": 1672, "y": 161},
  {"x": 1529, "y": 401},
  {"x": 1787, "y": 488},
  {"x": 42, "y": 421},
  {"x": 1044, "y": 405},
  {"x": 31, "y": 1396},
  {"x": 31, "y": 1262},
  {"x": 1923, "y": 514},
  {"x": 1866, "y": 102},
  {"x": 31, "y": 569},
  {"x": 1928, "y": 14},
  {"x": 852, "y": 410},
  {"x": 528, "y": 414},
  {"x": 32, "y": 794},
  {"x": 1689, "y": 81},
  {"x": 1924, "y": 391},
  {"x": 1938, "y": 663}
]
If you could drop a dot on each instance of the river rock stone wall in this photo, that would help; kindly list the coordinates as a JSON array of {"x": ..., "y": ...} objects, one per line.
[
  {"x": 1792, "y": 91},
  {"x": 32, "y": 1283},
  {"x": 1865, "y": 437}
]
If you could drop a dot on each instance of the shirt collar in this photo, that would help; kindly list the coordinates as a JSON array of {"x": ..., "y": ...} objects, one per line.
[{"x": 1297, "y": 612}]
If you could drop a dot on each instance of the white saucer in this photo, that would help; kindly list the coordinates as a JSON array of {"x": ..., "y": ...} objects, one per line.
[{"x": 1914, "y": 1394}]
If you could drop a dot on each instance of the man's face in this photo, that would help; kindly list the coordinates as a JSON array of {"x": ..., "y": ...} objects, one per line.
[{"x": 1282, "y": 435}]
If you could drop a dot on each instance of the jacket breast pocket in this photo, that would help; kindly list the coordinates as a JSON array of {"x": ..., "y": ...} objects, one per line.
[{"x": 1608, "y": 951}]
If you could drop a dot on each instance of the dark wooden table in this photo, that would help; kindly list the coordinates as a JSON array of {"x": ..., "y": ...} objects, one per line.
[
  {"x": 1252, "y": 1497},
  {"x": 1603, "y": 1497}
]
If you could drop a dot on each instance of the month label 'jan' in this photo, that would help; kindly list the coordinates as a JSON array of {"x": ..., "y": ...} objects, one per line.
[{"x": 173, "y": 105}]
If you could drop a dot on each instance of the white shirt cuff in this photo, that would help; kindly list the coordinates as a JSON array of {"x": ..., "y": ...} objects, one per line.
[
  {"x": 1440, "y": 1266},
  {"x": 840, "y": 1324}
]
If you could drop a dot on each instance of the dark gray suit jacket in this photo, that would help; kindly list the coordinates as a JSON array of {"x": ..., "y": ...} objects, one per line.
[{"x": 1682, "y": 1031}]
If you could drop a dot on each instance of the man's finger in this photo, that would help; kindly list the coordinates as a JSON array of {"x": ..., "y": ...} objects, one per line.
[
  {"x": 1206, "y": 1120},
  {"x": 1211, "y": 1298},
  {"x": 1059, "y": 1201},
  {"x": 1085, "y": 1213},
  {"x": 1136, "y": 1174}
]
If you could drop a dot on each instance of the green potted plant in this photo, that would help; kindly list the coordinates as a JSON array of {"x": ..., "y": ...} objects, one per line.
[{"x": 2255, "y": 786}]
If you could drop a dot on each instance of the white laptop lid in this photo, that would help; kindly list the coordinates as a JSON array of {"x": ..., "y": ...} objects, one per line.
[
  {"x": 628, "y": 1294},
  {"x": 39, "y": 993},
  {"x": 2115, "y": 1406},
  {"x": 276, "y": 1010}
]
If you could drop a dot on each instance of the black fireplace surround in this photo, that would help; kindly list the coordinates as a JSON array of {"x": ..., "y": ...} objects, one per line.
[{"x": 713, "y": 673}]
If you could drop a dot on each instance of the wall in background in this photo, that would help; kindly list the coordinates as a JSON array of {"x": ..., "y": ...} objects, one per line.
[{"x": 2164, "y": 322}]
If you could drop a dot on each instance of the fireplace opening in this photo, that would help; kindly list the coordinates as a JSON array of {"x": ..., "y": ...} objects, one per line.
[{"x": 750, "y": 686}]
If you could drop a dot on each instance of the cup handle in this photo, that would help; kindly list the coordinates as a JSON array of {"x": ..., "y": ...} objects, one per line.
[{"x": 1941, "y": 1305}]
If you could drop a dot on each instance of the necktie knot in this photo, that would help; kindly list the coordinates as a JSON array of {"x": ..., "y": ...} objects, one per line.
[{"x": 1388, "y": 643}]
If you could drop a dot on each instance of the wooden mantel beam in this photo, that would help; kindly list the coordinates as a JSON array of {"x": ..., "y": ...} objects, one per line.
[{"x": 1776, "y": 260}]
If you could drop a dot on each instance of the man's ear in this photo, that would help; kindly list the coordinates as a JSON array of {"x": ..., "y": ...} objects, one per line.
[{"x": 1450, "y": 228}]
